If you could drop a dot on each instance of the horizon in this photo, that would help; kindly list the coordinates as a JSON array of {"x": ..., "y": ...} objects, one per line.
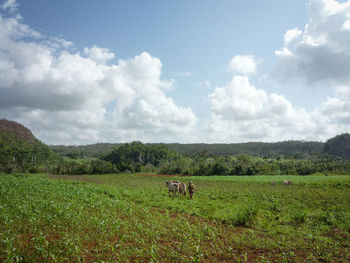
[{"x": 198, "y": 72}]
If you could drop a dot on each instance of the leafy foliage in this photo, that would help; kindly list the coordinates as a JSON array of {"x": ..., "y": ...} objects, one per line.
[
  {"x": 338, "y": 146},
  {"x": 299, "y": 149},
  {"x": 131, "y": 156},
  {"x": 20, "y": 150}
]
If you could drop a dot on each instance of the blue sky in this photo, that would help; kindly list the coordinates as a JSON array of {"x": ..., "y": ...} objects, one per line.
[
  {"x": 175, "y": 71},
  {"x": 195, "y": 37}
]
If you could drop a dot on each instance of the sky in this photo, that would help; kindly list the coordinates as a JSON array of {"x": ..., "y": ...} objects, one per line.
[{"x": 199, "y": 71}]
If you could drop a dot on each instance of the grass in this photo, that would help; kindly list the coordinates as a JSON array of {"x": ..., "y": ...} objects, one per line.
[{"x": 131, "y": 218}]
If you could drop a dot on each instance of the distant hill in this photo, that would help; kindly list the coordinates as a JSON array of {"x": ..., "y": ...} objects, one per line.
[
  {"x": 298, "y": 149},
  {"x": 19, "y": 149},
  {"x": 338, "y": 146},
  {"x": 260, "y": 149},
  {"x": 93, "y": 150}
]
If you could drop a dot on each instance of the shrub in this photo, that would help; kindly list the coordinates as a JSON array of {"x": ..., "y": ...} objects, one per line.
[
  {"x": 298, "y": 217},
  {"x": 244, "y": 216}
]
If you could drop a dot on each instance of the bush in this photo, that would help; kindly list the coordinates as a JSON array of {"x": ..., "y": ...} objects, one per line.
[
  {"x": 101, "y": 167},
  {"x": 244, "y": 216},
  {"x": 298, "y": 217}
]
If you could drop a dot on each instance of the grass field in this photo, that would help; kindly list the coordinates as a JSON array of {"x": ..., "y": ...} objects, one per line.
[{"x": 131, "y": 218}]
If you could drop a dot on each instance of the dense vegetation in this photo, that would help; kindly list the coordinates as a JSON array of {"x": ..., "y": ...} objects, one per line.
[
  {"x": 20, "y": 150},
  {"x": 130, "y": 218},
  {"x": 138, "y": 157},
  {"x": 134, "y": 156},
  {"x": 298, "y": 149},
  {"x": 338, "y": 146},
  {"x": 79, "y": 151}
]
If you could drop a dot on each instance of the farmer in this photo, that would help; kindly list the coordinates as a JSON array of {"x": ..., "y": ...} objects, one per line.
[{"x": 191, "y": 189}]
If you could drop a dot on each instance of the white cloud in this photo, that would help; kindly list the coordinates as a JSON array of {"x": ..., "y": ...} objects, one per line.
[
  {"x": 346, "y": 25},
  {"x": 68, "y": 98},
  {"x": 241, "y": 111},
  {"x": 238, "y": 100},
  {"x": 12, "y": 5},
  {"x": 322, "y": 51},
  {"x": 99, "y": 55},
  {"x": 291, "y": 35},
  {"x": 343, "y": 92},
  {"x": 243, "y": 64},
  {"x": 73, "y": 97},
  {"x": 320, "y": 56}
]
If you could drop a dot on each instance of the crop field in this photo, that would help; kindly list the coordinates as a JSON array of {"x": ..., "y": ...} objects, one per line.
[{"x": 131, "y": 218}]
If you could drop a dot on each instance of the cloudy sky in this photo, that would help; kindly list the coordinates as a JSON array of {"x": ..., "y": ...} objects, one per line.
[{"x": 87, "y": 71}]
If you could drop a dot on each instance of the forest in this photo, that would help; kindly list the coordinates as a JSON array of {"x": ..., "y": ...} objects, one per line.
[{"x": 20, "y": 151}]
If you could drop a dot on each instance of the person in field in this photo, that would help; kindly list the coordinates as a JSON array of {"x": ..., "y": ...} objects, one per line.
[{"x": 191, "y": 189}]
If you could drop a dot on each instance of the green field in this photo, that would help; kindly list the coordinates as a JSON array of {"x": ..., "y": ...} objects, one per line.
[{"x": 131, "y": 218}]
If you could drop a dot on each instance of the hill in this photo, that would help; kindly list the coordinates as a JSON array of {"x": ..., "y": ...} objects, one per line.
[
  {"x": 259, "y": 149},
  {"x": 299, "y": 149},
  {"x": 19, "y": 149},
  {"x": 92, "y": 150},
  {"x": 338, "y": 146}
]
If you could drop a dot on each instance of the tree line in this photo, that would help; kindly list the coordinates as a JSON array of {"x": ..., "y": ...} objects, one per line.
[
  {"x": 139, "y": 157},
  {"x": 20, "y": 151},
  {"x": 301, "y": 149}
]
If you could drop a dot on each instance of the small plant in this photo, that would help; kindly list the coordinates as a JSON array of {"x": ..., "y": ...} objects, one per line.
[
  {"x": 299, "y": 217},
  {"x": 244, "y": 216}
]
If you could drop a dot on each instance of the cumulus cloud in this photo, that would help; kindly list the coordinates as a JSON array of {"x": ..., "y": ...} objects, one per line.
[
  {"x": 238, "y": 100},
  {"x": 73, "y": 98},
  {"x": 11, "y": 5},
  {"x": 319, "y": 55},
  {"x": 99, "y": 55},
  {"x": 346, "y": 25},
  {"x": 291, "y": 35},
  {"x": 240, "y": 110},
  {"x": 321, "y": 51},
  {"x": 243, "y": 64}
]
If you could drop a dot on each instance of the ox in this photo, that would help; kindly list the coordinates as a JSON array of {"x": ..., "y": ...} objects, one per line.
[
  {"x": 285, "y": 182},
  {"x": 182, "y": 188},
  {"x": 173, "y": 187}
]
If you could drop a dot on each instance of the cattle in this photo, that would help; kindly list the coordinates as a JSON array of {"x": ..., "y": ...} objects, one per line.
[
  {"x": 173, "y": 187},
  {"x": 286, "y": 182},
  {"x": 182, "y": 188}
]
